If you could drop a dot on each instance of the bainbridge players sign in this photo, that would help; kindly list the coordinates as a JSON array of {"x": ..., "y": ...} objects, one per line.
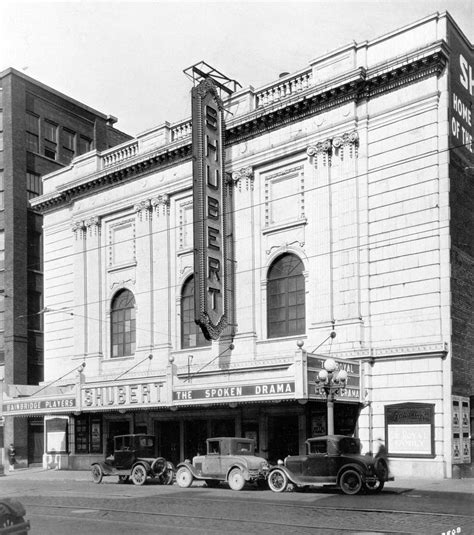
[{"x": 211, "y": 270}]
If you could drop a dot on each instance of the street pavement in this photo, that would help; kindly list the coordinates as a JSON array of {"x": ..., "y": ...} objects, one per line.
[{"x": 465, "y": 486}]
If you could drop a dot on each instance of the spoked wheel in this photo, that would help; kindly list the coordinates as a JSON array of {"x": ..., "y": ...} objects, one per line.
[
  {"x": 158, "y": 466},
  {"x": 184, "y": 477},
  {"x": 167, "y": 477},
  {"x": 277, "y": 480},
  {"x": 138, "y": 475},
  {"x": 351, "y": 482},
  {"x": 374, "y": 487},
  {"x": 236, "y": 479},
  {"x": 97, "y": 473}
]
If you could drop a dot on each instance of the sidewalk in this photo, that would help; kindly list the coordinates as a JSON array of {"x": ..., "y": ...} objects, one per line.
[{"x": 434, "y": 485}]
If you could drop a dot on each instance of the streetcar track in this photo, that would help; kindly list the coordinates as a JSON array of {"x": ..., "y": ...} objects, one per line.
[
  {"x": 284, "y": 505},
  {"x": 292, "y": 526}
]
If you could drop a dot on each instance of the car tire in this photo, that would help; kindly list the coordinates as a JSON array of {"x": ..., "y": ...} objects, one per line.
[
  {"x": 158, "y": 466},
  {"x": 138, "y": 475},
  {"x": 97, "y": 474},
  {"x": 374, "y": 488},
  {"x": 236, "y": 479},
  {"x": 350, "y": 482},
  {"x": 381, "y": 469},
  {"x": 277, "y": 480},
  {"x": 212, "y": 483},
  {"x": 184, "y": 477}
]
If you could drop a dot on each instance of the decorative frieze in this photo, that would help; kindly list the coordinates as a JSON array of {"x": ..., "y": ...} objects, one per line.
[
  {"x": 86, "y": 226},
  {"x": 244, "y": 175}
]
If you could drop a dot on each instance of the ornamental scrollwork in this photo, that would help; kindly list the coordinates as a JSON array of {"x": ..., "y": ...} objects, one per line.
[
  {"x": 245, "y": 174},
  {"x": 82, "y": 227}
]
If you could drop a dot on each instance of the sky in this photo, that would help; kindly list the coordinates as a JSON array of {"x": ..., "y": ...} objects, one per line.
[{"x": 127, "y": 59}]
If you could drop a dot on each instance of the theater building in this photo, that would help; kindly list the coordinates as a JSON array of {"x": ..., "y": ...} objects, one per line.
[{"x": 344, "y": 207}]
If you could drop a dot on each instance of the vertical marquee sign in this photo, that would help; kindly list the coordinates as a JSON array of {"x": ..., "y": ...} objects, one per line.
[{"x": 211, "y": 277}]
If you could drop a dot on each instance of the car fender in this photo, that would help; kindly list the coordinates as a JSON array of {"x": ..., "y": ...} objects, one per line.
[
  {"x": 292, "y": 478},
  {"x": 352, "y": 466},
  {"x": 242, "y": 468},
  {"x": 145, "y": 465},
  {"x": 191, "y": 468},
  {"x": 106, "y": 468}
]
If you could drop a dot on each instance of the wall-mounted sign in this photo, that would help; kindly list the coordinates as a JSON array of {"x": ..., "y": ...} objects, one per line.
[
  {"x": 121, "y": 396},
  {"x": 57, "y": 434},
  {"x": 210, "y": 217},
  {"x": 352, "y": 390},
  {"x": 224, "y": 393},
  {"x": 409, "y": 428},
  {"x": 34, "y": 406},
  {"x": 461, "y": 96}
]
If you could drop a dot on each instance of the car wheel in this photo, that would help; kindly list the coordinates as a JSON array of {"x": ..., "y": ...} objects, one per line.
[
  {"x": 138, "y": 475},
  {"x": 168, "y": 476},
  {"x": 351, "y": 482},
  {"x": 184, "y": 477},
  {"x": 381, "y": 469},
  {"x": 236, "y": 479},
  {"x": 375, "y": 486},
  {"x": 97, "y": 473},
  {"x": 158, "y": 466},
  {"x": 277, "y": 480}
]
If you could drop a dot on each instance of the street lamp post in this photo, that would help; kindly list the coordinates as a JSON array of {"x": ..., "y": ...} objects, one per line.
[{"x": 331, "y": 382}]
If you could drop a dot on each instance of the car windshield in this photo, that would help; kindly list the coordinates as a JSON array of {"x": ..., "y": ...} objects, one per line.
[
  {"x": 245, "y": 448},
  {"x": 349, "y": 445}
]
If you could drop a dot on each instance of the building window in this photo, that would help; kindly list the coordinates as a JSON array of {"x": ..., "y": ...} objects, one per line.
[
  {"x": 84, "y": 144},
  {"x": 191, "y": 334},
  {"x": 34, "y": 185},
  {"x": 50, "y": 139},
  {"x": 69, "y": 144},
  {"x": 286, "y": 297},
  {"x": 32, "y": 132},
  {"x": 123, "y": 324}
]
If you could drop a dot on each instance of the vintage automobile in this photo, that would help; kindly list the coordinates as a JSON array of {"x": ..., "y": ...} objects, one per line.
[
  {"x": 134, "y": 459},
  {"x": 12, "y": 518},
  {"x": 331, "y": 460},
  {"x": 229, "y": 459}
]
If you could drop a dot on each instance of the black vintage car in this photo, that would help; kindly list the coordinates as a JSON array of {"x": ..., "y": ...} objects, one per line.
[
  {"x": 331, "y": 460},
  {"x": 134, "y": 459}
]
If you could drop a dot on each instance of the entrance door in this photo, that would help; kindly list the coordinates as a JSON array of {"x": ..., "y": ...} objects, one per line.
[
  {"x": 35, "y": 441},
  {"x": 168, "y": 441},
  {"x": 195, "y": 434},
  {"x": 282, "y": 437}
]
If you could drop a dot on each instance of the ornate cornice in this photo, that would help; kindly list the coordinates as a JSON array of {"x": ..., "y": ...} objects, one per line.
[{"x": 356, "y": 85}]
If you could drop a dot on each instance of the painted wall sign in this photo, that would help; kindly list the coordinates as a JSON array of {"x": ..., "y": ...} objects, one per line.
[
  {"x": 409, "y": 428},
  {"x": 210, "y": 217},
  {"x": 352, "y": 390},
  {"x": 229, "y": 392},
  {"x": 461, "y": 96},
  {"x": 120, "y": 396},
  {"x": 32, "y": 406}
]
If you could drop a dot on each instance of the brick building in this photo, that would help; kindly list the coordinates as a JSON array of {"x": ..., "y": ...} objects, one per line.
[
  {"x": 350, "y": 199},
  {"x": 41, "y": 131}
]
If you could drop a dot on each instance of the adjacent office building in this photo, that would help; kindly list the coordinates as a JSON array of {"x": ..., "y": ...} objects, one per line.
[{"x": 41, "y": 130}]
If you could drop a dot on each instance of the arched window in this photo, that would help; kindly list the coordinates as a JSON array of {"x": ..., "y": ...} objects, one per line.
[
  {"x": 285, "y": 297},
  {"x": 123, "y": 324},
  {"x": 191, "y": 334}
]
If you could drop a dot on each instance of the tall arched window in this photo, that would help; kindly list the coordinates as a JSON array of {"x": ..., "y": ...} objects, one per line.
[
  {"x": 122, "y": 319},
  {"x": 191, "y": 334},
  {"x": 285, "y": 297}
]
